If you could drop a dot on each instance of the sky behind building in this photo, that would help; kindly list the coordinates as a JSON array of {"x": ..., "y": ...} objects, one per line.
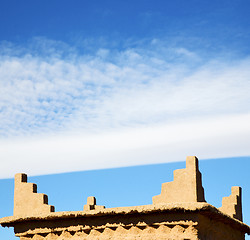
[{"x": 88, "y": 85}]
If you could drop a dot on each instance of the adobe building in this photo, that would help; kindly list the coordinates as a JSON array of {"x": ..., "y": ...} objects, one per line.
[{"x": 180, "y": 212}]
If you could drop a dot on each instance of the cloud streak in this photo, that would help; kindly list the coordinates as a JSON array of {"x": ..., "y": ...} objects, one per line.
[{"x": 111, "y": 94}]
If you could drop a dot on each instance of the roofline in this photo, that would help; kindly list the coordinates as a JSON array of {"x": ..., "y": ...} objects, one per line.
[{"x": 200, "y": 207}]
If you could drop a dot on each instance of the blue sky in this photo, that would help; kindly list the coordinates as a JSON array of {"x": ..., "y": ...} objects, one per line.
[{"x": 91, "y": 85}]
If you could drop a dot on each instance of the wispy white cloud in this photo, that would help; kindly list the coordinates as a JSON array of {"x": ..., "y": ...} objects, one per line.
[
  {"x": 211, "y": 138},
  {"x": 115, "y": 97}
]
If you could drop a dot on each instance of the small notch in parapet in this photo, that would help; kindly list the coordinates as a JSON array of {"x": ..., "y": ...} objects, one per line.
[
  {"x": 232, "y": 205},
  {"x": 91, "y": 204},
  {"x": 21, "y": 178}
]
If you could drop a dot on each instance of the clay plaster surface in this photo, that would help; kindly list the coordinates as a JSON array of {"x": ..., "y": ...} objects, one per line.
[
  {"x": 186, "y": 187},
  {"x": 26, "y": 199},
  {"x": 231, "y": 205},
  {"x": 179, "y": 212}
]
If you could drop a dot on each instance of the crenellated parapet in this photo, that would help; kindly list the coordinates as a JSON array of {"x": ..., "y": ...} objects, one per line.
[
  {"x": 179, "y": 212},
  {"x": 186, "y": 187},
  {"x": 232, "y": 205},
  {"x": 27, "y": 201},
  {"x": 91, "y": 204}
]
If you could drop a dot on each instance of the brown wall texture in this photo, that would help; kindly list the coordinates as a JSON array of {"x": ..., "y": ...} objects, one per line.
[{"x": 179, "y": 212}]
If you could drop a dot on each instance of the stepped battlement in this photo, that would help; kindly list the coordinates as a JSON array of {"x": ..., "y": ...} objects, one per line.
[{"x": 179, "y": 212}]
